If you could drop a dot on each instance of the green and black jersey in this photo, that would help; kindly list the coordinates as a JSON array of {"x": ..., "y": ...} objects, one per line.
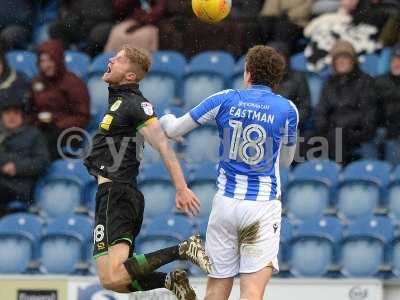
[{"x": 117, "y": 147}]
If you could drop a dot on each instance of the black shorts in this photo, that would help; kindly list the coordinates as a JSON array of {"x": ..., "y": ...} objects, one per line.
[{"x": 118, "y": 217}]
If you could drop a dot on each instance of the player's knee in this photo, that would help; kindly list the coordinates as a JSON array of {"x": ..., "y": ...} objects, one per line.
[{"x": 252, "y": 293}]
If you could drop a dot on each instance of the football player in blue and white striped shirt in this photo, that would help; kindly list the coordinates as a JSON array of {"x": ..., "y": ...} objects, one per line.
[{"x": 258, "y": 131}]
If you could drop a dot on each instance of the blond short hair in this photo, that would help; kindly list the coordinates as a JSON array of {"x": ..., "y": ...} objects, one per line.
[{"x": 139, "y": 58}]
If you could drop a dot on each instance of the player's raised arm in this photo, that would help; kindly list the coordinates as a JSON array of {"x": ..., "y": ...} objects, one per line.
[
  {"x": 203, "y": 113},
  {"x": 186, "y": 200}
]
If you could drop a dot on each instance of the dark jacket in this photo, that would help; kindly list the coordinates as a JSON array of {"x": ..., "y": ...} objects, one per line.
[
  {"x": 294, "y": 86},
  {"x": 13, "y": 82},
  {"x": 65, "y": 95},
  {"x": 134, "y": 9},
  {"x": 388, "y": 90},
  {"x": 348, "y": 102},
  {"x": 16, "y": 12},
  {"x": 27, "y": 149}
]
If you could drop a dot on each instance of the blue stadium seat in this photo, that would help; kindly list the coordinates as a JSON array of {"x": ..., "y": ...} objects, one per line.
[
  {"x": 384, "y": 60},
  {"x": 308, "y": 193},
  {"x": 23, "y": 61},
  {"x": 19, "y": 236},
  {"x": 98, "y": 92},
  {"x": 284, "y": 174},
  {"x": 237, "y": 79},
  {"x": 78, "y": 63},
  {"x": 161, "y": 84},
  {"x": 63, "y": 245},
  {"x": 361, "y": 186},
  {"x": 195, "y": 151},
  {"x": 363, "y": 247},
  {"x": 370, "y": 64},
  {"x": 99, "y": 63},
  {"x": 393, "y": 199},
  {"x": 286, "y": 237},
  {"x": 203, "y": 185},
  {"x": 90, "y": 191},
  {"x": 395, "y": 256},
  {"x": 313, "y": 246},
  {"x": 150, "y": 155},
  {"x": 202, "y": 229},
  {"x": 62, "y": 190},
  {"x": 176, "y": 226},
  {"x": 298, "y": 62},
  {"x": 158, "y": 191},
  {"x": 208, "y": 73}
]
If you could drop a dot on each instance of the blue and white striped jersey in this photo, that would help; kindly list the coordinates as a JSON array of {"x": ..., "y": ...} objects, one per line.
[{"x": 252, "y": 125}]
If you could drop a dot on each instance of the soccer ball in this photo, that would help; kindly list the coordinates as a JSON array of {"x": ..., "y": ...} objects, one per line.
[{"x": 211, "y": 11}]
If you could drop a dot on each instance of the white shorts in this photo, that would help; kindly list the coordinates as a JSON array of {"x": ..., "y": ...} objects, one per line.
[{"x": 243, "y": 236}]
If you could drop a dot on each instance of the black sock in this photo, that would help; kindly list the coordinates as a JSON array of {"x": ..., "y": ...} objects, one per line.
[
  {"x": 141, "y": 265},
  {"x": 155, "y": 280}
]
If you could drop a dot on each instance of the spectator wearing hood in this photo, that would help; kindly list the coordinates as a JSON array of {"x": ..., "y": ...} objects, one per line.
[
  {"x": 388, "y": 90},
  {"x": 348, "y": 101},
  {"x": 13, "y": 81},
  {"x": 60, "y": 98},
  {"x": 23, "y": 152}
]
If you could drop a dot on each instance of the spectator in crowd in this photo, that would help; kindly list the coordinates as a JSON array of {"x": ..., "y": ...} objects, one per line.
[
  {"x": 355, "y": 20},
  {"x": 138, "y": 25},
  {"x": 23, "y": 152},
  {"x": 294, "y": 86},
  {"x": 388, "y": 91},
  {"x": 348, "y": 103},
  {"x": 16, "y": 23},
  {"x": 284, "y": 20},
  {"x": 12, "y": 80},
  {"x": 60, "y": 98},
  {"x": 84, "y": 23}
]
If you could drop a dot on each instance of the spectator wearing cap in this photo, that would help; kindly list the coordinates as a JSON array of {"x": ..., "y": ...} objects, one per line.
[
  {"x": 23, "y": 152},
  {"x": 60, "y": 98},
  {"x": 348, "y": 102},
  {"x": 388, "y": 90}
]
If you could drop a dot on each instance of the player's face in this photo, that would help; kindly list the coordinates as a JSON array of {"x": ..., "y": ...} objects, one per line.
[
  {"x": 395, "y": 66},
  {"x": 118, "y": 69}
]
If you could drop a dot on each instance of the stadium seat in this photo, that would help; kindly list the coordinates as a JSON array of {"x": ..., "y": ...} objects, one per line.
[
  {"x": 99, "y": 63},
  {"x": 98, "y": 92},
  {"x": 237, "y": 79},
  {"x": 62, "y": 190},
  {"x": 90, "y": 191},
  {"x": 19, "y": 236},
  {"x": 360, "y": 189},
  {"x": 286, "y": 237},
  {"x": 195, "y": 151},
  {"x": 284, "y": 174},
  {"x": 202, "y": 228},
  {"x": 78, "y": 63},
  {"x": 63, "y": 245},
  {"x": 150, "y": 155},
  {"x": 308, "y": 193},
  {"x": 384, "y": 61},
  {"x": 392, "y": 151},
  {"x": 370, "y": 64},
  {"x": 203, "y": 185},
  {"x": 208, "y": 73},
  {"x": 313, "y": 246},
  {"x": 160, "y": 85},
  {"x": 393, "y": 199},
  {"x": 177, "y": 226},
  {"x": 363, "y": 246},
  {"x": 158, "y": 191},
  {"x": 23, "y": 61},
  {"x": 395, "y": 256}
]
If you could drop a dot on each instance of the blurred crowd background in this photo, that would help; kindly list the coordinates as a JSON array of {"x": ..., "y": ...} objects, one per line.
[{"x": 343, "y": 71}]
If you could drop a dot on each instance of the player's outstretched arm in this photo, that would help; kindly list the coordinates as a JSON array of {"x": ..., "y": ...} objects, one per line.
[
  {"x": 175, "y": 128},
  {"x": 186, "y": 200}
]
